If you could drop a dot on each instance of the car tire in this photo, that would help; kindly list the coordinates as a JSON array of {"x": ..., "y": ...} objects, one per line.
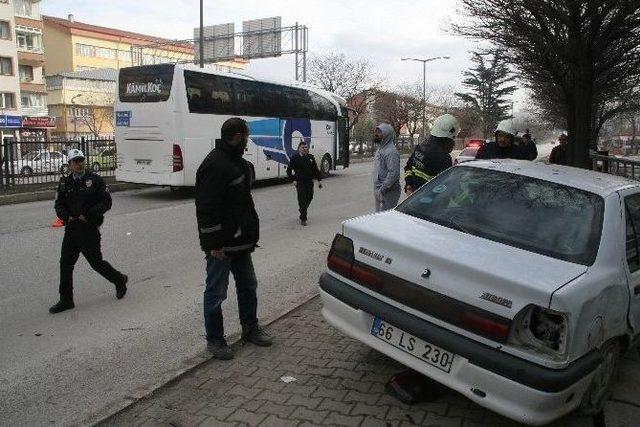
[
  {"x": 600, "y": 388},
  {"x": 95, "y": 167},
  {"x": 26, "y": 171},
  {"x": 325, "y": 165}
]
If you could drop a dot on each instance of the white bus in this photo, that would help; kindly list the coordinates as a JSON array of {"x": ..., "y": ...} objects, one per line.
[{"x": 168, "y": 118}]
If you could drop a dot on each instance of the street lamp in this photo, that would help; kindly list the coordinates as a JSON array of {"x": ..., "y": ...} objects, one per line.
[{"x": 424, "y": 86}]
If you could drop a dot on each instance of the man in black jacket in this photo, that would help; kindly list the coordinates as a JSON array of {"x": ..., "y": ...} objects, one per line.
[
  {"x": 228, "y": 227},
  {"x": 504, "y": 146},
  {"x": 302, "y": 169},
  {"x": 83, "y": 199}
]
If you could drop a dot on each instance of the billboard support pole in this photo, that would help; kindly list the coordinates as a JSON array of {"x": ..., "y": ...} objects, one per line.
[
  {"x": 201, "y": 34},
  {"x": 296, "y": 37}
]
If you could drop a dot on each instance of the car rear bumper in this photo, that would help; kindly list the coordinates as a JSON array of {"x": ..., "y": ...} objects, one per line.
[{"x": 506, "y": 384}]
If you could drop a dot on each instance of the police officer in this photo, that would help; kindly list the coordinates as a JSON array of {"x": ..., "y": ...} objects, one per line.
[
  {"x": 82, "y": 201},
  {"x": 504, "y": 146},
  {"x": 432, "y": 156},
  {"x": 302, "y": 170}
]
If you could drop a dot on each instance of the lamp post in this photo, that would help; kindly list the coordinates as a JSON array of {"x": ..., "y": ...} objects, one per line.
[
  {"x": 74, "y": 118},
  {"x": 424, "y": 86}
]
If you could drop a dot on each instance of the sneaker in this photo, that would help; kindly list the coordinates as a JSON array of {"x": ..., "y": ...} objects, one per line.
[
  {"x": 61, "y": 306},
  {"x": 121, "y": 288},
  {"x": 257, "y": 336},
  {"x": 303, "y": 222},
  {"x": 220, "y": 349}
]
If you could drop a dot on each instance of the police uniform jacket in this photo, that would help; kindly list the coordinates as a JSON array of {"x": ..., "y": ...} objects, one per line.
[
  {"x": 428, "y": 160},
  {"x": 227, "y": 218},
  {"x": 87, "y": 196},
  {"x": 303, "y": 168}
]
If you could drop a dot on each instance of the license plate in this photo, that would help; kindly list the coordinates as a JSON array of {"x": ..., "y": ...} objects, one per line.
[
  {"x": 143, "y": 161},
  {"x": 418, "y": 348}
]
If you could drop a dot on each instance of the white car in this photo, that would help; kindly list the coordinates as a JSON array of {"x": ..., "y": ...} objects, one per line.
[
  {"x": 514, "y": 283},
  {"x": 41, "y": 162},
  {"x": 466, "y": 155}
]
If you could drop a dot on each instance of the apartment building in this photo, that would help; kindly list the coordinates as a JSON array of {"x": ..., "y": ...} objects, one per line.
[
  {"x": 82, "y": 103},
  {"x": 23, "y": 95}
]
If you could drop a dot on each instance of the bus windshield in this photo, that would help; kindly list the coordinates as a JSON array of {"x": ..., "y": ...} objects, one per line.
[{"x": 150, "y": 83}]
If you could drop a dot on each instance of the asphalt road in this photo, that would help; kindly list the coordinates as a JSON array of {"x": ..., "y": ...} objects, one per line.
[{"x": 78, "y": 366}]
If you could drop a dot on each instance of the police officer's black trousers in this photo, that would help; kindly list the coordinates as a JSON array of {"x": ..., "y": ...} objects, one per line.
[
  {"x": 305, "y": 195},
  {"x": 81, "y": 238}
]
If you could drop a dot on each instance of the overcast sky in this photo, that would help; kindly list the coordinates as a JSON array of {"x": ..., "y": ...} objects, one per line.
[{"x": 383, "y": 31}]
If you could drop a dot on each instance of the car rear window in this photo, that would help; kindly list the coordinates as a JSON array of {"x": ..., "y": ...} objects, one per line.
[{"x": 532, "y": 214}]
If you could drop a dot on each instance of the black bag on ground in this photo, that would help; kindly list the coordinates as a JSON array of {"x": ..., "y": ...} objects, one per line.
[{"x": 412, "y": 387}]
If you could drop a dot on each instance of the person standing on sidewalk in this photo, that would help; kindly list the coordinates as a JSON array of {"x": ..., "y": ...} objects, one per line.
[
  {"x": 433, "y": 156},
  {"x": 229, "y": 230},
  {"x": 83, "y": 199},
  {"x": 386, "y": 169},
  {"x": 302, "y": 170},
  {"x": 559, "y": 152}
]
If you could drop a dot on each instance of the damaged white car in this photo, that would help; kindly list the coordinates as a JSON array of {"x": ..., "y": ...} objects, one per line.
[{"x": 515, "y": 283}]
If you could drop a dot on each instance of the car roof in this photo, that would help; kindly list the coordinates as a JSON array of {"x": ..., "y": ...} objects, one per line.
[{"x": 594, "y": 182}]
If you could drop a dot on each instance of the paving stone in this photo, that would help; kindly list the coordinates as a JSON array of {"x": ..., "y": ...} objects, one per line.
[
  {"x": 243, "y": 391},
  {"x": 273, "y": 421},
  {"x": 336, "y": 406},
  {"x": 433, "y": 420},
  {"x": 355, "y": 396},
  {"x": 246, "y": 417},
  {"x": 373, "y": 411},
  {"x": 276, "y": 409},
  {"x": 343, "y": 420},
  {"x": 333, "y": 393},
  {"x": 274, "y": 397},
  {"x": 212, "y": 422},
  {"x": 307, "y": 402},
  {"x": 316, "y": 416},
  {"x": 216, "y": 411}
]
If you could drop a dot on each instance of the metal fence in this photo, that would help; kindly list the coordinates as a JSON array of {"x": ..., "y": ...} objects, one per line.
[
  {"x": 616, "y": 166},
  {"x": 26, "y": 163}
]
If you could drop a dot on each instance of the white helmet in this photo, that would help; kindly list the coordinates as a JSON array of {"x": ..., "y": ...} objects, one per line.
[
  {"x": 74, "y": 153},
  {"x": 445, "y": 126},
  {"x": 506, "y": 126}
]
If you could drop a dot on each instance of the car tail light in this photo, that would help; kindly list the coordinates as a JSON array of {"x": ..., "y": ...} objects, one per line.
[
  {"x": 341, "y": 255},
  {"x": 341, "y": 260},
  {"x": 178, "y": 164},
  {"x": 543, "y": 329},
  {"x": 486, "y": 326}
]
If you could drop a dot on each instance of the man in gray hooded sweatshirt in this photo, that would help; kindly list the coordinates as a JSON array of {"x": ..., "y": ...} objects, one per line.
[{"x": 386, "y": 169}]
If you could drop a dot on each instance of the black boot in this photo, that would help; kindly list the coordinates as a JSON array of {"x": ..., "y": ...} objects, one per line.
[
  {"x": 257, "y": 336},
  {"x": 62, "y": 305},
  {"x": 121, "y": 288},
  {"x": 220, "y": 349}
]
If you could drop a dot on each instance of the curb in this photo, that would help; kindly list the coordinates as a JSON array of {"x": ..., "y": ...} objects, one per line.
[
  {"x": 234, "y": 342},
  {"x": 36, "y": 196}
]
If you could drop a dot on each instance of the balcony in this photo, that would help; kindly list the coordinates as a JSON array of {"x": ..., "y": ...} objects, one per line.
[
  {"x": 33, "y": 58},
  {"x": 33, "y": 87},
  {"x": 35, "y": 111}
]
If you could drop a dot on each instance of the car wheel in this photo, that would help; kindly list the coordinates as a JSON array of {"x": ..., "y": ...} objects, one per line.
[
  {"x": 26, "y": 171},
  {"x": 599, "y": 391},
  {"x": 96, "y": 167},
  {"x": 325, "y": 165}
]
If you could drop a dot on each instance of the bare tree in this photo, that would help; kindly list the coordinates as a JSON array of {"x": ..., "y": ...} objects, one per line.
[
  {"x": 581, "y": 57},
  {"x": 393, "y": 108},
  {"x": 354, "y": 79},
  {"x": 98, "y": 120}
]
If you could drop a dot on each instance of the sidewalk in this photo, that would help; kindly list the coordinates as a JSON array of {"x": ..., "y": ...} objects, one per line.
[{"x": 338, "y": 381}]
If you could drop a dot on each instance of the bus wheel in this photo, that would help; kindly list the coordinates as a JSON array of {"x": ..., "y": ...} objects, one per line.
[{"x": 325, "y": 165}]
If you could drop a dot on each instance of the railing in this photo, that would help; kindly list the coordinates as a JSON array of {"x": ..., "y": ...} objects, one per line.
[
  {"x": 28, "y": 164},
  {"x": 616, "y": 166}
]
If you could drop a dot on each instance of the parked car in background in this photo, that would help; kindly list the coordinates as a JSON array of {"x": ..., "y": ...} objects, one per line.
[
  {"x": 466, "y": 155},
  {"x": 104, "y": 159},
  {"x": 534, "y": 327},
  {"x": 40, "y": 162},
  {"x": 475, "y": 142}
]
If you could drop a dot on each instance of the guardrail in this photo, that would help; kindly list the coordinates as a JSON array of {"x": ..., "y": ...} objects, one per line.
[{"x": 24, "y": 164}]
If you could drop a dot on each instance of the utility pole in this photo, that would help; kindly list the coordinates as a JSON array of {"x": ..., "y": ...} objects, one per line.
[
  {"x": 201, "y": 34},
  {"x": 424, "y": 87}
]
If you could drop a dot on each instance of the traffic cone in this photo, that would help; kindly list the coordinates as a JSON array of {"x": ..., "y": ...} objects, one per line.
[{"x": 58, "y": 223}]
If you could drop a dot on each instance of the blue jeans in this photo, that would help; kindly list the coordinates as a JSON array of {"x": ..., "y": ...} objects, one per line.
[{"x": 215, "y": 293}]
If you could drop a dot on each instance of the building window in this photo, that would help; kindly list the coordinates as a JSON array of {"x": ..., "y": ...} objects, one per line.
[
  {"x": 26, "y": 73},
  {"x": 6, "y": 66},
  {"x": 7, "y": 100},
  {"x": 125, "y": 55},
  {"x": 85, "y": 50},
  {"x": 96, "y": 52},
  {"x": 29, "y": 41},
  {"x": 84, "y": 68},
  {"x": 5, "y": 30},
  {"x": 23, "y": 8},
  {"x": 32, "y": 99},
  {"x": 79, "y": 112}
]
